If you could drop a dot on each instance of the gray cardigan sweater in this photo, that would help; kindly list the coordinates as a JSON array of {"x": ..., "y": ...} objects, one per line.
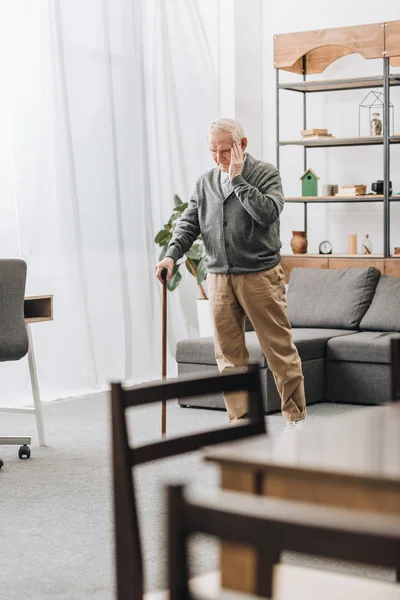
[{"x": 240, "y": 232}]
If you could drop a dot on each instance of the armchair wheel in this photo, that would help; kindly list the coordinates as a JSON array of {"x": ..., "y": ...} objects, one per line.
[
  {"x": 1, "y": 463},
  {"x": 24, "y": 451}
]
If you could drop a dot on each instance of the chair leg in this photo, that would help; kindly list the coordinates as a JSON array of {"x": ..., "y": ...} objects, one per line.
[{"x": 35, "y": 389}]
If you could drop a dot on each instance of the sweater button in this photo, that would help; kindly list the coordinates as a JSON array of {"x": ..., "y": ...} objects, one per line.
[
  {"x": 230, "y": 265},
  {"x": 225, "y": 223},
  {"x": 226, "y": 245}
]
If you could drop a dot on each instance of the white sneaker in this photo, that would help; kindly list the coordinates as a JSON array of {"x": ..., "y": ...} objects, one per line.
[
  {"x": 294, "y": 425},
  {"x": 240, "y": 421}
]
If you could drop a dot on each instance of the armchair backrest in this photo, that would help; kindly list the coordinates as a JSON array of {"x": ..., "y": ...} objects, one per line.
[{"x": 13, "y": 335}]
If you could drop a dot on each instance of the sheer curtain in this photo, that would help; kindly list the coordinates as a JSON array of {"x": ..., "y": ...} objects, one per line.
[{"x": 103, "y": 115}]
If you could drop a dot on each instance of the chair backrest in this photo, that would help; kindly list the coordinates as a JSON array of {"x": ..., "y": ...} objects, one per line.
[
  {"x": 271, "y": 526},
  {"x": 13, "y": 335},
  {"x": 129, "y": 561},
  {"x": 395, "y": 368}
]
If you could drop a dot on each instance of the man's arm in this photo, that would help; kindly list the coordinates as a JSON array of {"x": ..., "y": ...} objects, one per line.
[
  {"x": 186, "y": 232},
  {"x": 265, "y": 203}
]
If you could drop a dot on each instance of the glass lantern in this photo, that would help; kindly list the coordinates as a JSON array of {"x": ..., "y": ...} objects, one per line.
[{"x": 370, "y": 115}]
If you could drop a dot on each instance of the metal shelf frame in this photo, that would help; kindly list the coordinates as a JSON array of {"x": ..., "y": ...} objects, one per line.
[
  {"x": 340, "y": 142},
  {"x": 336, "y": 85},
  {"x": 305, "y": 87}
]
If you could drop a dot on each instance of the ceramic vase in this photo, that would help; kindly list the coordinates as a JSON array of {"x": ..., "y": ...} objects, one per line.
[{"x": 299, "y": 242}]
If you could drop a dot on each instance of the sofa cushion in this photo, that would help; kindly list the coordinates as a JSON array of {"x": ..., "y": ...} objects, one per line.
[
  {"x": 367, "y": 347},
  {"x": 384, "y": 312},
  {"x": 330, "y": 298},
  {"x": 201, "y": 350},
  {"x": 248, "y": 325},
  {"x": 311, "y": 344}
]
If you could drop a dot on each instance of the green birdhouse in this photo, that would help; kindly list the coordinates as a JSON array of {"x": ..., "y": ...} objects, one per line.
[{"x": 309, "y": 183}]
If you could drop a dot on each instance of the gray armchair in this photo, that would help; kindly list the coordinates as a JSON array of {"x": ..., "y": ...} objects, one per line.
[{"x": 13, "y": 334}]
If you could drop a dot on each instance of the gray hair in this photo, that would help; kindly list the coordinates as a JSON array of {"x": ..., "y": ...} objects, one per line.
[{"x": 230, "y": 125}]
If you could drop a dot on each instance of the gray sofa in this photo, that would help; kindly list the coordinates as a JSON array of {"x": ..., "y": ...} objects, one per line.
[{"x": 342, "y": 323}]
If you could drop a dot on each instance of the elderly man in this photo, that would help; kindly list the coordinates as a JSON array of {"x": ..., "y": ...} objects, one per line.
[{"x": 236, "y": 207}]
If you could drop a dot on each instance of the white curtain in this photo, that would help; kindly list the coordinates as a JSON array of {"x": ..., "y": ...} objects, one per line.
[{"x": 104, "y": 108}]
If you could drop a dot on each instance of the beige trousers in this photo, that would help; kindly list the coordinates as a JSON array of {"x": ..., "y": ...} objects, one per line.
[{"x": 262, "y": 297}]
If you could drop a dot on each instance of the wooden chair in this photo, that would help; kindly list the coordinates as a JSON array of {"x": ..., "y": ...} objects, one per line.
[
  {"x": 395, "y": 370},
  {"x": 129, "y": 562},
  {"x": 271, "y": 526}
]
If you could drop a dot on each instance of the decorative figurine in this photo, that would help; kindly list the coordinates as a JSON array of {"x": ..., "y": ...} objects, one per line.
[
  {"x": 366, "y": 245},
  {"x": 375, "y": 125},
  {"x": 309, "y": 183}
]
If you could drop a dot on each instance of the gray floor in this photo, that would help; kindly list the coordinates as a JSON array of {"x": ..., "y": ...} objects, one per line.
[{"x": 56, "y": 513}]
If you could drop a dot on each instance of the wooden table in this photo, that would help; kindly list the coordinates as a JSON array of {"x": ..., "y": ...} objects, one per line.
[{"x": 352, "y": 460}]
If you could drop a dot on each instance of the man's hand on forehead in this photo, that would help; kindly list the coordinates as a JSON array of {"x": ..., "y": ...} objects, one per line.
[{"x": 237, "y": 158}]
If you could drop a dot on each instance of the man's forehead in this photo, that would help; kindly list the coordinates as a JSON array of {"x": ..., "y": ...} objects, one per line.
[
  {"x": 221, "y": 137},
  {"x": 221, "y": 143}
]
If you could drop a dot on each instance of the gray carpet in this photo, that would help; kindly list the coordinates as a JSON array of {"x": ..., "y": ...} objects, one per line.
[{"x": 56, "y": 513}]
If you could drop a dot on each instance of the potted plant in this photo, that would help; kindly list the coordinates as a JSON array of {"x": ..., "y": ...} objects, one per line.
[{"x": 194, "y": 262}]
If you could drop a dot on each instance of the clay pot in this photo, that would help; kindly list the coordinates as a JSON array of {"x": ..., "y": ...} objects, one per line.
[{"x": 299, "y": 242}]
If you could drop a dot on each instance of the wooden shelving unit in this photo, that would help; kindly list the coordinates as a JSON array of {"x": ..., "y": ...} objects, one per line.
[
  {"x": 340, "y": 142},
  {"x": 339, "y": 199},
  {"x": 330, "y": 256},
  {"x": 333, "y": 85},
  {"x": 310, "y": 52}
]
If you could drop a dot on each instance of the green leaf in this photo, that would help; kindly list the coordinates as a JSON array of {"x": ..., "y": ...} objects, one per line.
[
  {"x": 161, "y": 237},
  {"x": 195, "y": 252},
  {"x": 174, "y": 281},
  {"x": 201, "y": 271},
  {"x": 181, "y": 207},
  {"x": 163, "y": 252},
  {"x": 177, "y": 200},
  {"x": 174, "y": 218}
]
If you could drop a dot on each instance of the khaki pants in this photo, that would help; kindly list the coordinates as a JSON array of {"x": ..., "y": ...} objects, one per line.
[{"x": 262, "y": 297}]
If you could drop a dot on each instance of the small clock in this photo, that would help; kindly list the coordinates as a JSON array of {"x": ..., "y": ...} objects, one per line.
[{"x": 325, "y": 247}]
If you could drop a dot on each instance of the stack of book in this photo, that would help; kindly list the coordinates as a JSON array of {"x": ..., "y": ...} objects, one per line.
[
  {"x": 352, "y": 190},
  {"x": 330, "y": 189},
  {"x": 315, "y": 134}
]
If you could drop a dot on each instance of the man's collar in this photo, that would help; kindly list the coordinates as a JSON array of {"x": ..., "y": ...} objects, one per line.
[{"x": 248, "y": 165}]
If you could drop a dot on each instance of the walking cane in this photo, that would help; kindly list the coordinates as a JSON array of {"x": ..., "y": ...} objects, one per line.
[{"x": 164, "y": 273}]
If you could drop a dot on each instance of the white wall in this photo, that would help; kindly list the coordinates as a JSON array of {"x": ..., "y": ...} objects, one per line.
[{"x": 338, "y": 111}]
